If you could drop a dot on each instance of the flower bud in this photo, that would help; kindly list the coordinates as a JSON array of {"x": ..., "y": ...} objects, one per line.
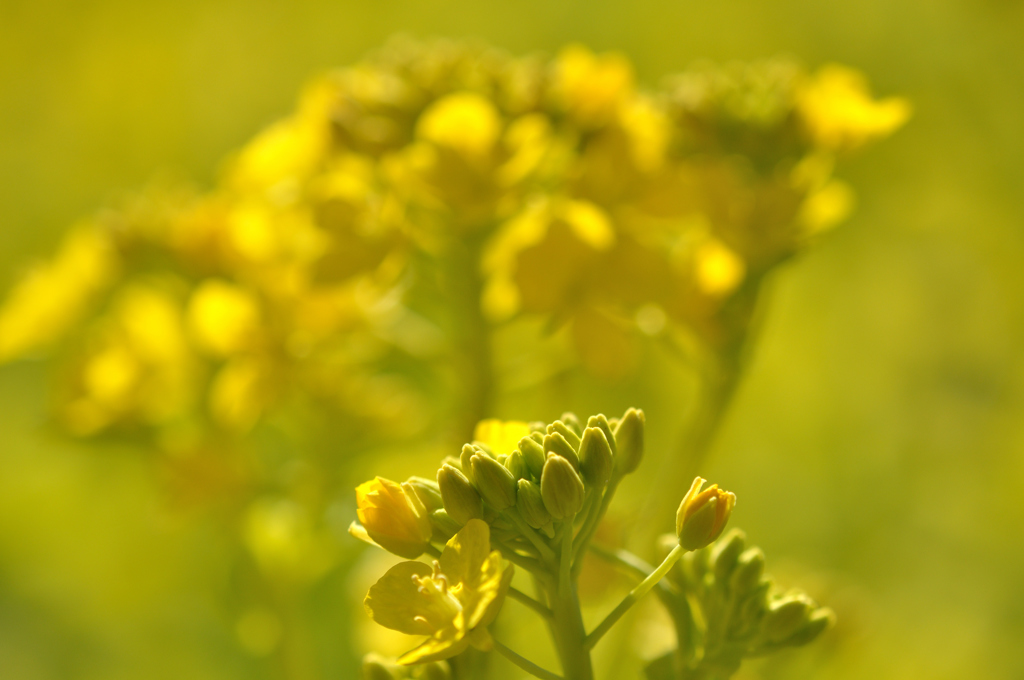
[
  {"x": 516, "y": 465},
  {"x": 786, "y": 616},
  {"x": 561, "y": 488},
  {"x": 702, "y": 515},
  {"x": 393, "y": 517},
  {"x": 436, "y": 670},
  {"x": 464, "y": 463},
  {"x": 444, "y": 526},
  {"x": 629, "y": 441},
  {"x": 556, "y": 444},
  {"x": 601, "y": 422},
  {"x": 748, "y": 572},
  {"x": 562, "y": 429},
  {"x": 596, "y": 462},
  {"x": 726, "y": 553},
  {"x": 533, "y": 454},
  {"x": 817, "y": 623},
  {"x": 376, "y": 668},
  {"x": 538, "y": 427},
  {"x": 531, "y": 505},
  {"x": 426, "y": 490},
  {"x": 461, "y": 501},
  {"x": 495, "y": 483},
  {"x": 572, "y": 422}
]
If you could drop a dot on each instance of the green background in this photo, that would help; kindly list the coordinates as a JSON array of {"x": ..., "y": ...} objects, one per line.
[{"x": 877, "y": 447}]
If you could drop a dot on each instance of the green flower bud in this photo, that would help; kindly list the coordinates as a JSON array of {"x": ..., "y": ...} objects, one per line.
[
  {"x": 748, "y": 572},
  {"x": 438, "y": 670},
  {"x": 461, "y": 501},
  {"x": 702, "y": 515},
  {"x": 426, "y": 490},
  {"x": 596, "y": 462},
  {"x": 443, "y": 525},
  {"x": 495, "y": 483},
  {"x": 464, "y": 463},
  {"x": 556, "y": 444},
  {"x": 747, "y": 619},
  {"x": 786, "y": 616},
  {"x": 533, "y": 454},
  {"x": 375, "y": 667},
  {"x": 517, "y": 465},
  {"x": 726, "y": 553},
  {"x": 564, "y": 430},
  {"x": 561, "y": 488},
  {"x": 483, "y": 448},
  {"x": 453, "y": 461},
  {"x": 629, "y": 441},
  {"x": 531, "y": 505},
  {"x": 819, "y": 621},
  {"x": 537, "y": 427},
  {"x": 601, "y": 422},
  {"x": 572, "y": 422}
]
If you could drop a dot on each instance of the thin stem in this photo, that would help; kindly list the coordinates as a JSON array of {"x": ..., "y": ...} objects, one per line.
[
  {"x": 528, "y": 563},
  {"x": 524, "y": 663},
  {"x": 631, "y": 563},
  {"x": 533, "y": 604},
  {"x": 564, "y": 569},
  {"x": 591, "y": 524},
  {"x": 542, "y": 547},
  {"x": 639, "y": 591}
]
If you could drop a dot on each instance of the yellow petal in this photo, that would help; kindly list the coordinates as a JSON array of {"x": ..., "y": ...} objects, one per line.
[
  {"x": 395, "y": 601},
  {"x": 464, "y": 555}
]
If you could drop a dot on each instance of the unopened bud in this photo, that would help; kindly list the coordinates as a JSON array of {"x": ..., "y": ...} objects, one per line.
[
  {"x": 596, "y": 462},
  {"x": 537, "y": 426},
  {"x": 561, "y": 488},
  {"x": 817, "y": 623},
  {"x": 702, "y": 515},
  {"x": 437, "y": 670},
  {"x": 629, "y": 441},
  {"x": 426, "y": 490},
  {"x": 495, "y": 483},
  {"x": 572, "y": 422},
  {"x": 786, "y": 616},
  {"x": 748, "y": 572},
  {"x": 376, "y": 668},
  {"x": 531, "y": 505},
  {"x": 726, "y": 553},
  {"x": 464, "y": 460},
  {"x": 601, "y": 422},
  {"x": 556, "y": 444},
  {"x": 517, "y": 465},
  {"x": 533, "y": 454},
  {"x": 443, "y": 525},
  {"x": 564, "y": 430},
  {"x": 461, "y": 500}
]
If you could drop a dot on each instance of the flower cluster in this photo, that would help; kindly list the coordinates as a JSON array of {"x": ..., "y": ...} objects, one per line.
[
  {"x": 531, "y": 494},
  {"x": 579, "y": 197},
  {"x": 728, "y": 610}
]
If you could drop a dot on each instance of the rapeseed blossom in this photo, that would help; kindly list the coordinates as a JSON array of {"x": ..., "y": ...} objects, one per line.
[{"x": 452, "y": 601}]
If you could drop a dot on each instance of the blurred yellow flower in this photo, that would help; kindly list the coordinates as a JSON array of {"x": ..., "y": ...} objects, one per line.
[
  {"x": 501, "y": 436},
  {"x": 453, "y": 602},
  {"x": 223, "y": 317},
  {"x": 839, "y": 112}
]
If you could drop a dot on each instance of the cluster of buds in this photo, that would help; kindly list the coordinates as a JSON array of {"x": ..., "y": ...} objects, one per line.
[
  {"x": 376, "y": 667},
  {"x": 742, "y": 614}
]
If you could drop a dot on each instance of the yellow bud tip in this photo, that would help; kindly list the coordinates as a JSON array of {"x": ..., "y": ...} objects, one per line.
[{"x": 702, "y": 515}]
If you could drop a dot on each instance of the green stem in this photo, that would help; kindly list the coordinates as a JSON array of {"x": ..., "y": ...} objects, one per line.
[
  {"x": 526, "y": 530},
  {"x": 533, "y": 604},
  {"x": 564, "y": 581},
  {"x": 634, "y": 595},
  {"x": 631, "y": 563},
  {"x": 524, "y": 663},
  {"x": 591, "y": 524}
]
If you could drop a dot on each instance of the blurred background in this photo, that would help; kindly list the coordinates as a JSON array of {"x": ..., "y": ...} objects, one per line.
[{"x": 876, "y": 445}]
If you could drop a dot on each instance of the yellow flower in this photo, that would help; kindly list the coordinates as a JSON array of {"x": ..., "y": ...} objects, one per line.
[
  {"x": 501, "y": 436},
  {"x": 839, "y": 112},
  {"x": 453, "y": 602},
  {"x": 393, "y": 517},
  {"x": 703, "y": 515}
]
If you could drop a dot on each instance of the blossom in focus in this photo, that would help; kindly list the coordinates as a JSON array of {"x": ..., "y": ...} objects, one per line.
[
  {"x": 453, "y": 601},
  {"x": 702, "y": 515}
]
